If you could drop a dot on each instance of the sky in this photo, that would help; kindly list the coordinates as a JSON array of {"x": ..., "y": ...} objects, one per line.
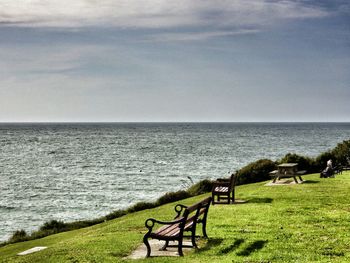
[{"x": 174, "y": 61}]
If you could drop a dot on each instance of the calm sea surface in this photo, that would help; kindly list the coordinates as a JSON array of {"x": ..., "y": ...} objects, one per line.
[{"x": 83, "y": 171}]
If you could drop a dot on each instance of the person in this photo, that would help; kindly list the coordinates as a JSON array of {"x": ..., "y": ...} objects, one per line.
[
  {"x": 330, "y": 164},
  {"x": 328, "y": 172}
]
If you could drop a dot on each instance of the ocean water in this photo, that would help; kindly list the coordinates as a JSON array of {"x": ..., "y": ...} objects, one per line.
[{"x": 82, "y": 171}]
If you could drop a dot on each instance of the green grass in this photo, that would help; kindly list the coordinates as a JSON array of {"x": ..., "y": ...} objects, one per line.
[{"x": 309, "y": 222}]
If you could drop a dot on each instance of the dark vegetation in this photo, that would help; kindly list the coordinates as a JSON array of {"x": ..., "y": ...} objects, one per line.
[{"x": 254, "y": 172}]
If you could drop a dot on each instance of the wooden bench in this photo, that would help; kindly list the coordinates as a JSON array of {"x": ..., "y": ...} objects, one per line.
[
  {"x": 331, "y": 172},
  {"x": 224, "y": 189},
  {"x": 338, "y": 169},
  {"x": 186, "y": 220}
]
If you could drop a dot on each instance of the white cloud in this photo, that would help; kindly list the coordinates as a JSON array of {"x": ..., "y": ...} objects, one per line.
[{"x": 151, "y": 13}]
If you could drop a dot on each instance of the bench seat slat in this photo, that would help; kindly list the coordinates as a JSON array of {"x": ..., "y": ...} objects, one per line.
[
  {"x": 173, "y": 233},
  {"x": 222, "y": 189},
  {"x": 166, "y": 229},
  {"x": 172, "y": 230}
]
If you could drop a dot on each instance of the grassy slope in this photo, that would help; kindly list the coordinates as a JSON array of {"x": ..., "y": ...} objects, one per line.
[{"x": 298, "y": 223}]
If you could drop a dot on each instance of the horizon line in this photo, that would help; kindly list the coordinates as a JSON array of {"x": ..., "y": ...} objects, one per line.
[{"x": 165, "y": 122}]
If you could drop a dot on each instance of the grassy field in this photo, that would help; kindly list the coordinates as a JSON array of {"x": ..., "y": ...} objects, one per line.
[{"x": 309, "y": 222}]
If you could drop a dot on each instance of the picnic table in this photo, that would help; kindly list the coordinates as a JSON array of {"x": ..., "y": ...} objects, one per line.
[{"x": 287, "y": 170}]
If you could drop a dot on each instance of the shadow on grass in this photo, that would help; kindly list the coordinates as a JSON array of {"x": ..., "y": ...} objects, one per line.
[
  {"x": 331, "y": 252},
  {"x": 231, "y": 247},
  {"x": 116, "y": 255},
  {"x": 310, "y": 182},
  {"x": 259, "y": 200},
  {"x": 212, "y": 242},
  {"x": 256, "y": 245}
]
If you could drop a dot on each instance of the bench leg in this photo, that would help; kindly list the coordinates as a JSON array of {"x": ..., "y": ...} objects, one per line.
[
  {"x": 165, "y": 245},
  {"x": 181, "y": 254},
  {"x": 145, "y": 241},
  {"x": 295, "y": 179},
  {"x": 204, "y": 228},
  {"x": 193, "y": 239}
]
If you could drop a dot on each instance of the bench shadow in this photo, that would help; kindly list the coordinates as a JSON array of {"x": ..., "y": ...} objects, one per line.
[
  {"x": 256, "y": 245},
  {"x": 259, "y": 200},
  {"x": 212, "y": 242},
  {"x": 310, "y": 182},
  {"x": 231, "y": 247}
]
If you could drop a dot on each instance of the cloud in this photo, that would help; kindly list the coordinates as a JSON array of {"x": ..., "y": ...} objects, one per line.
[
  {"x": 198, "y": 36},
  {"x": 17, "y": 61},
  {"x": 152, "y": 13}
]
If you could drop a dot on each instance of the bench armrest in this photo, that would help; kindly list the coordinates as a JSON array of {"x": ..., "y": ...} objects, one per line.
[
  {"x": 150, "y": 222},
  {"x": 178, "y": 209}
]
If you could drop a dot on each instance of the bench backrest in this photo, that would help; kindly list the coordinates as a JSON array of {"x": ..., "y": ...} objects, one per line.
[
  {"x": 233, "y": 181},
  {"x": 230, "y": 182},
  {"x": 193, "y": 212}
]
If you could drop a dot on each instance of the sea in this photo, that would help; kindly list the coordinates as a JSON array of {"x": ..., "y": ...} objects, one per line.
[{"x": 75, "y": 171}]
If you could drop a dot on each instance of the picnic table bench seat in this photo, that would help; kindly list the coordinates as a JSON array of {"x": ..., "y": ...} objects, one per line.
[
  {"x": 302, "y": 172},
  {"x": 281, "y": 175},
  {"x": 186, "y": 220}
]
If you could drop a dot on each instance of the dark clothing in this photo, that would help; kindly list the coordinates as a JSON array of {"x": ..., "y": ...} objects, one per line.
[{"x": 328, "y": 172}]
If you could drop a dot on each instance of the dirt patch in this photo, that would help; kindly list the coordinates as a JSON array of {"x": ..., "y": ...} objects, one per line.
[
  {"x": 156, "y": 245},
  {"x": 283, "y": 182}
]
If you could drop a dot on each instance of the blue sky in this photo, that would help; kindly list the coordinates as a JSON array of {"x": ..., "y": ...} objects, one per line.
[{"x": 156, "y": 60}]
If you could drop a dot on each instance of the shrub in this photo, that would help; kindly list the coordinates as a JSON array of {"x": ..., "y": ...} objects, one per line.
[
  {"x": 115, "y": 214},
  {"x": 321, "y": 160},
  {"x": 54, "y": 226},
  {"x": 304, "y": 163},
  {"x": 141, "y": 206},
  {"x": 341, "y": 153},
  {"x": 172, "y": 197},
  {"x": 200, "y": 187},
  {"x": 18, "y": 236},
  {"x": 84, "y": 223},
  {"x": 255, "y": 172}
]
